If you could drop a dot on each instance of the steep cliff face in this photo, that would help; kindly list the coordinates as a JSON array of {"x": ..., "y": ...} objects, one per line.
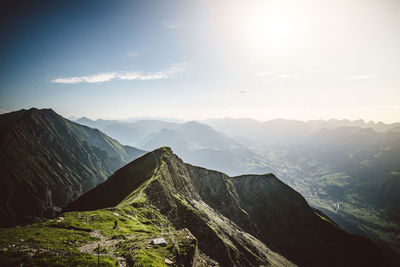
[
  {"x": 45, "y": 164},
  {"x": 286, "y": 223},
  {"x": 237, "y": 221}
]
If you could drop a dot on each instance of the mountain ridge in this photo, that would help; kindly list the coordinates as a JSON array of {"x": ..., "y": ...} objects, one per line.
[
  {"x": 45, "y": 164},
  {"x": 211, "y": 205}
]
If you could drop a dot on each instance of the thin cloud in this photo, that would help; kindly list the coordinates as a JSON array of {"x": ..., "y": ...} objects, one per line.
[
  {"x": 108, "y": 76},
  {"x": 361, "y": 77},
  {"x": 96, "y": 78},
  {"x": 132, "y": 54},
  {"x": 172, "y": 24}
]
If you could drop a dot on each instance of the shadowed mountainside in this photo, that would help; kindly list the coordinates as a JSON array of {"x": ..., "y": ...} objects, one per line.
[{"x": 47, "y": 161}]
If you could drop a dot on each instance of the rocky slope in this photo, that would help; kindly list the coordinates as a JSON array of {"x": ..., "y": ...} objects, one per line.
[
  {"x": 238, "y": 221},
  {"x": 47, "y": 161}
]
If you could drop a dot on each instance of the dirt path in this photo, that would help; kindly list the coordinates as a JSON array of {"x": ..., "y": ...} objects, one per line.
[{"x": 90, "y": 248}]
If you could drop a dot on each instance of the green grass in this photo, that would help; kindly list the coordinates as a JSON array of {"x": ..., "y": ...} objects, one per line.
[
  {"x": 55, "y": 243},
  {"x": 37, "y": 244},
  {"x": 41, "y": 236}
]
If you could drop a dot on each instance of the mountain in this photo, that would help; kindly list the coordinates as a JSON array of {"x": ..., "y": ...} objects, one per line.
[
  {"x": 271, "y": 131},
  {"x": 195, "y": 142},
  {"x": 352, "y": 174},
  {"x": 200, "y": 144},
  {"x": 348, "y": 169},
  {"x": 129, "y": 133},
  {"x": 369, "y": 159},
  {"x": 119, "y": 154},
  {"x": 47, "y": 161},
  {"x": 237, "y": 221}
]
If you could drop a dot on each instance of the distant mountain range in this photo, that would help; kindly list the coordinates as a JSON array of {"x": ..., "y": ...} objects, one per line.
[
  {"x": 47, "y": 161},
  {"x": 286, "y": 130},
  {"x": 201, "y": 145},
  {"x": 133, "y": 133},
  {"x": 128, "y": 133},
  {"x": 195, "y": 142}
]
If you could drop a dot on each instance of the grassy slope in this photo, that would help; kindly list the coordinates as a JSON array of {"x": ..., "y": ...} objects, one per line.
[{"x": 59, "y": 242}]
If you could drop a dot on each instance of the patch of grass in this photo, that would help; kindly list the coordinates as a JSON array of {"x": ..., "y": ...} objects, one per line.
[
  {"x": 55, "y": 242},
  {"x": 38, "y": 245},
  {"x": 45, "y": 237},
  {"x": 150, "y": 258}
]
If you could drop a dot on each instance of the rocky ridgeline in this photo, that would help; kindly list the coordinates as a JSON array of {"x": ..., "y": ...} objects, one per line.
[{"x": 248, "y": 220}]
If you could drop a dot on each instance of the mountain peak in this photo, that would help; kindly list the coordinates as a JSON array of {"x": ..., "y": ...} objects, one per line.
[
  {"x": 47, "y": 161},
  {"x": 195, "y": 125},
  {"x": 84, "y": 120},
  {"x": 42, "y": 110}
]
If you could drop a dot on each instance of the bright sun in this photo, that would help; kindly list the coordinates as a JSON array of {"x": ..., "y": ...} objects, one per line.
[{"x": 265, "y": 25}]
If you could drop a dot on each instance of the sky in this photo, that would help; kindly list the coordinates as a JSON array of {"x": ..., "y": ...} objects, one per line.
[{"x": 310, "y": 59}]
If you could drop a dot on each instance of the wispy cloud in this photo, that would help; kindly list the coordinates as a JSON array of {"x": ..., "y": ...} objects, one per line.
[
  {"x": 361, "y": 77},
  {"x": 132, "y": 54},
  {"x": 108, "y": 76},
  {"x": 172, "y": 24}
]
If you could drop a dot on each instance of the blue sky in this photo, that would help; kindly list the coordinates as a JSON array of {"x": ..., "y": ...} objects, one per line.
[{"x": 200, "y": 59}]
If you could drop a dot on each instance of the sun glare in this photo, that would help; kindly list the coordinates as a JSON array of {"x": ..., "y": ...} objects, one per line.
[{"x": 266, "y": 26}]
